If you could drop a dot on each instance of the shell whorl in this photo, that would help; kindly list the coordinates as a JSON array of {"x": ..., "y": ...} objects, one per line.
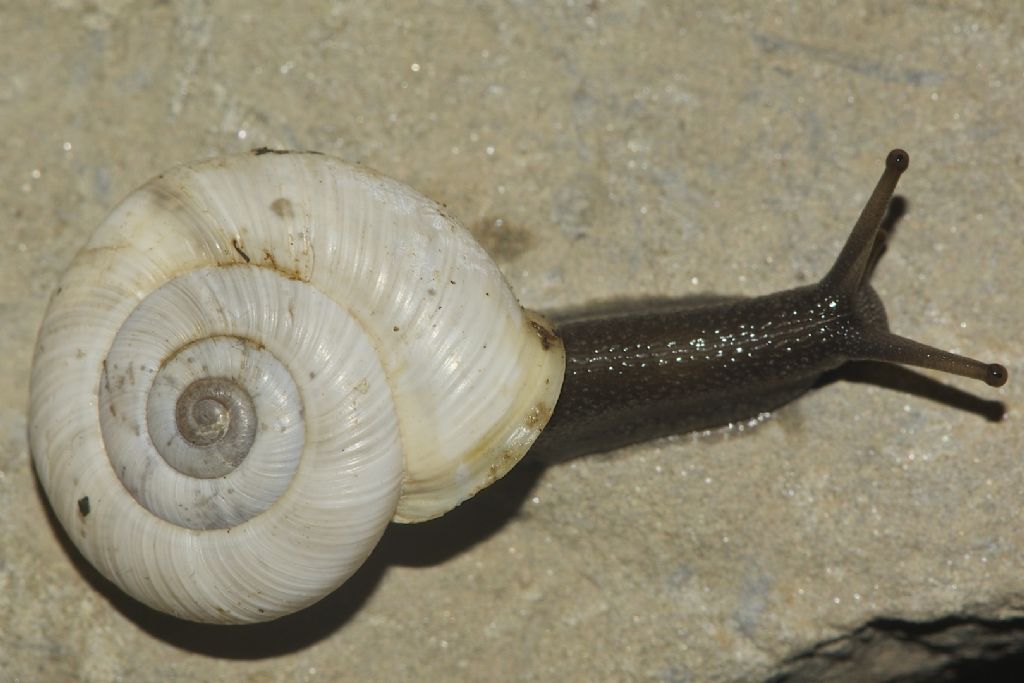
[{"x": 259, "y": 361}]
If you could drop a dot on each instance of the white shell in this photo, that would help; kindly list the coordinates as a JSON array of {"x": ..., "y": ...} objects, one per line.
[{"x": 391, "y": 368}]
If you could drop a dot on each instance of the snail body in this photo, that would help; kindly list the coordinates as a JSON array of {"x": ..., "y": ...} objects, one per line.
[
  {"x": 259, "y": 361},
  {"x": 638, "y": 376}
]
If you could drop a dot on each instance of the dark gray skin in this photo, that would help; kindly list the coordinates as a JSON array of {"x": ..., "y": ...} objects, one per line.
[{"x": 639, "y": 376}]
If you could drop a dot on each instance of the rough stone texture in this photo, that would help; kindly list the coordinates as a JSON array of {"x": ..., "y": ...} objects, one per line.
[{"x": 868, "y": 532}]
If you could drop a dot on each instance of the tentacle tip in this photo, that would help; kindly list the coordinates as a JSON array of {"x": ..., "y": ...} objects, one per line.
[
  {"x": 898, "y": 160},
  {"x": 996, "y": 375}
]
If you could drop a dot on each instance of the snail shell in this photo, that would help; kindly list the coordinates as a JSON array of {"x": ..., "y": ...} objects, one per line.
[{"x": 259, "y": 361}]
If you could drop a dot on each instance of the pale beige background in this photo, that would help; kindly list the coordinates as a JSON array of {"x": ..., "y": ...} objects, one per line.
[{"x": 597, "y": 149}]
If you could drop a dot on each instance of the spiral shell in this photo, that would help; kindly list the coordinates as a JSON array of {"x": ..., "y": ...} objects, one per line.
[{"x": 259, "y": 361}]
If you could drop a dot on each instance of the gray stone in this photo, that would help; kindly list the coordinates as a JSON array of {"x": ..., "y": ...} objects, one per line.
[{"x": 868, "y": 532}]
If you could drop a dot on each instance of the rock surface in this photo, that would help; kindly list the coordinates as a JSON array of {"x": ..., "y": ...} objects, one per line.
[{"x": 869, "y": 532}]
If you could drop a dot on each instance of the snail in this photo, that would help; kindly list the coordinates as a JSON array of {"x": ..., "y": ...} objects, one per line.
[{"x": 259, "y": 361}]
